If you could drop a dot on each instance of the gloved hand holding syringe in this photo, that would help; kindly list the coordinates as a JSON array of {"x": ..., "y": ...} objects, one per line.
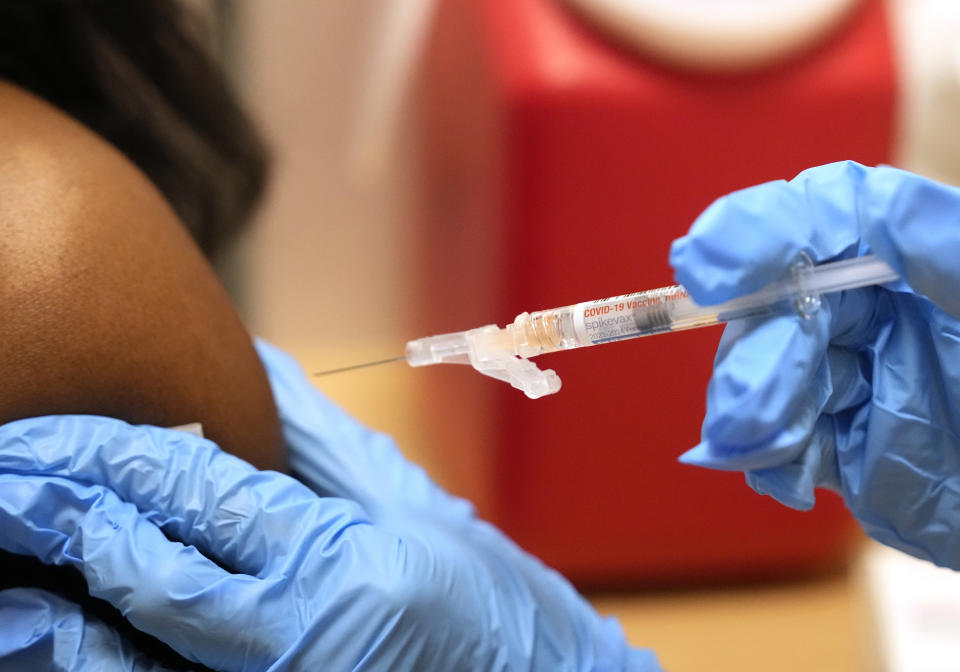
[{"x": 504, "y": 353}]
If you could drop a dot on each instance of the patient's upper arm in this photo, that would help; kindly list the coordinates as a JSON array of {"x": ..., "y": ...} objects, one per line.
[{"x": 106, "y": 305}]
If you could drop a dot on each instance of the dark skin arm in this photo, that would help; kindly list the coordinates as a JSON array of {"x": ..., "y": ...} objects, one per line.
[{"x": 107, "y": 306}]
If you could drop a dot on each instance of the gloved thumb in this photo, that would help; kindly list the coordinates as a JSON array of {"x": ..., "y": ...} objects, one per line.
[{"x": 913, "y": 224}]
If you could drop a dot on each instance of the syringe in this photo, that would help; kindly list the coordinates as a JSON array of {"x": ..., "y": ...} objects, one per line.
[{"x": 504, "y": 353}]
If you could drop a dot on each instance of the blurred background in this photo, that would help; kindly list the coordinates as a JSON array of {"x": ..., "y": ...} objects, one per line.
[{"x": 444, "y": 164}]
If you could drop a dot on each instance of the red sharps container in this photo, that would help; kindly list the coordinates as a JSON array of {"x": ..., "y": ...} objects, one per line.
[{"x": 559, "y": 166}]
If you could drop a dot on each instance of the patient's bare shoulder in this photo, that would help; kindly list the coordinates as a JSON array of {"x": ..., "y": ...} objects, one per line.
[{"x": 106, "y": 305}]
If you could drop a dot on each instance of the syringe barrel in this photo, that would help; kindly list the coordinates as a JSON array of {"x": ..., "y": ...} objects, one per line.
[
  {"x": 612, "y": 319},
  {"x": 646, "y": 313},
  {"x": 666, "y": 309}
]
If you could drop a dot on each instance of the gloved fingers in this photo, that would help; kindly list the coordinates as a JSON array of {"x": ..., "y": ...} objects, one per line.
[
  {"x": 342, "y": 456},
  {"x": 843, "y": 386},
  {"x": 248, "y": 520},
  {"x": 339, "y": 457},
  {"x": 857, "y": 315},
  {"x": 749, "y": 238},
  {"x": 770, "y": 373},
  {"x": 163, "y": 587},
  {"x": 42, "y": 631},
  {"x": 536, "y": 610},
  {"x": 33, "y": 622},
  {"x": 850, "y": 380},
  {"x": 905, "y": 488},
  {"x": 914, "y": 224},
  {"x": 794, "y": 484},
  {"x": 774, "y": 376},
  {"x": 806, "y": 457}
]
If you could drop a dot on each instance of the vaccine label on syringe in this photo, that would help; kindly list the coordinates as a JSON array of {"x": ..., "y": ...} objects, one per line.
[{"x": 627, "y": 316}]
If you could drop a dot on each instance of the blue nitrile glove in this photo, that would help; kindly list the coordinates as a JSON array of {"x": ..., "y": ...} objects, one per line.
[
  {"x": 383, "y": 571},
  {"x": 865, "y": 397},
  {"x": 40, "y": 631}
]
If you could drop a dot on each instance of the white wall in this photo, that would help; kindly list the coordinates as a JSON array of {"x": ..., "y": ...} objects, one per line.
[
  {"x": 324, "y": 269},
  {"x": 324, "y": 273}
]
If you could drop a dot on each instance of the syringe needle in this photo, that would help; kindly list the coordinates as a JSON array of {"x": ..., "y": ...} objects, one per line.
[{"x": 359, "y": 366}]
